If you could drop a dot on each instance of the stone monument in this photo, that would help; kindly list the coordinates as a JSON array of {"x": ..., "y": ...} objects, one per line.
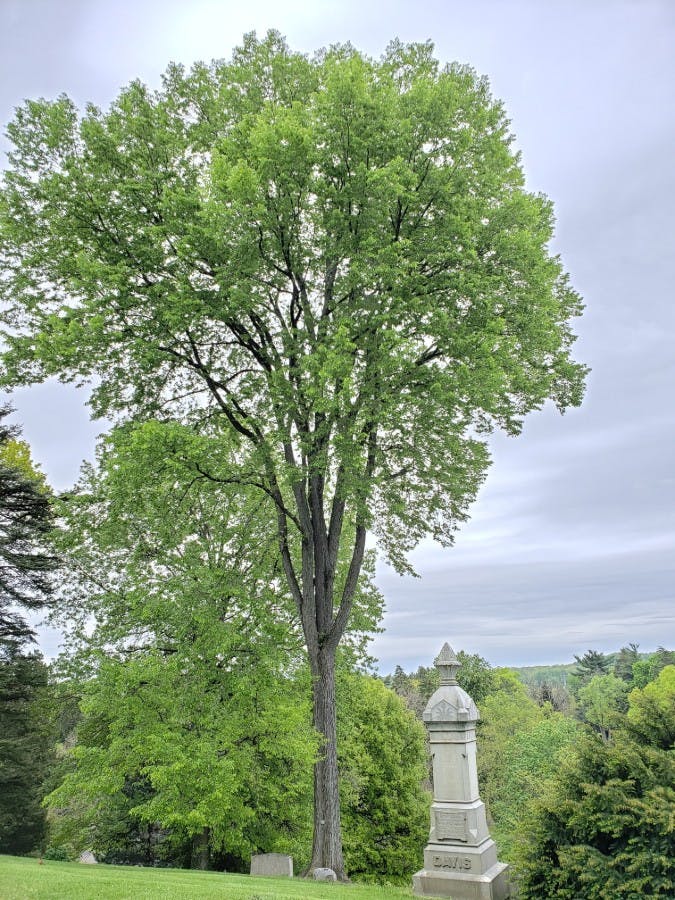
[
  {"x": 460, "y": 860},
  {"x": 273, "y": 864}
]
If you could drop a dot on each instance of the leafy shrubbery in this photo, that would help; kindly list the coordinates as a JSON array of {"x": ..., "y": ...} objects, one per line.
[
  {"x": 58, "y": 853},
  {"x": 383, "y": 764},
  {"x": 155, "y": 773}
]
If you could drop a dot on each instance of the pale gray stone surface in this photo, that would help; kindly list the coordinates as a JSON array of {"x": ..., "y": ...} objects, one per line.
[
  {"x": 324, "y": 875},
  {"x": 460, "y": 860},
  {"x": 275, "y": 864},
  {"x": 87, "y": 857}
]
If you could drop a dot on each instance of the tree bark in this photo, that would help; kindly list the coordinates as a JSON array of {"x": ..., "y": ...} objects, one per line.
[
  {"x": 200, "y": 850},
  {"x": 327, "y": 845}
]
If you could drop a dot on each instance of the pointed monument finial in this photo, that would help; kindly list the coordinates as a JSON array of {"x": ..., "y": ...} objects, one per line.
[{"x": 447, "y": 664}]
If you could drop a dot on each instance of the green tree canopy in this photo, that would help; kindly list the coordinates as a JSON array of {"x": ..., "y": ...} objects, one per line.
[
  {"x": 188, "y": 652},
  {"x": 506, "y": 712},
  {"x": 646, "y": 670},
  {"x": 200, "y": 746},
  {"x": 651, "y": 715},
  {"x": 332, "y": 258},
  {"x": 476, "y": 676},
  {"x": 602, "y": 701},
  {"x": 518, "y": 765},
  {"x": 195, "y": 694}
]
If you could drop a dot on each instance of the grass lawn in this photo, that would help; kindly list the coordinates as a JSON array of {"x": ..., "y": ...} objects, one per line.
[{"x": 23, "y": 879}]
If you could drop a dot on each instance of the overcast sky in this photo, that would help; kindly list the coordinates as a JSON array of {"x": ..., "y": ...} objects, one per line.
[{"x": 572, "y": 542}]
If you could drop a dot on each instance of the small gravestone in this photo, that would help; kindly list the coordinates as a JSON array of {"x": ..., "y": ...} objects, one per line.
[
  {"x": 274, "y": 864},
  {"x": 87, "y": 857},
  {"x": 324, "y": 875}
]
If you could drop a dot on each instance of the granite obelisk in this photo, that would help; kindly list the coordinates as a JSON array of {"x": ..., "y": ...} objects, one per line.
[{"x": 460, "y": 860}]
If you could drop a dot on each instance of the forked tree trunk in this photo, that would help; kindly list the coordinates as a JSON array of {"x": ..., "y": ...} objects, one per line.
[
  {"x": 327, "y": 846},
  {"x": 323, "y": 628}
]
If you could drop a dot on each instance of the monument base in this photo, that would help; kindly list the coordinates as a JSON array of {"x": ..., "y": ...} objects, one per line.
[{"x": 491, "y": 885}]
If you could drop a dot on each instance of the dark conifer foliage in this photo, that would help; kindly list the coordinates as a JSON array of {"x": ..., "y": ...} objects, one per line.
[
  {"x": 625, "y": 659},
  {"x": 25, "y": 567},
  {"x": 25, "y": 562},
  {"x": 25, "y": 738},
  {"x": 592, "y": 663}
]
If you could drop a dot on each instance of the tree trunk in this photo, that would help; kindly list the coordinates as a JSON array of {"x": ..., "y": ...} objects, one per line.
[
  {"x": 327, "y": 846},
  {"x": 200, "y": 850}
]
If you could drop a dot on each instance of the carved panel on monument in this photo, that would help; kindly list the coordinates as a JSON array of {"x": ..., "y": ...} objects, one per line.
[
  {"x": 441, "y": 712},
  {"x": 456, "y": 863},
  {"x": 451, "y": 825}
]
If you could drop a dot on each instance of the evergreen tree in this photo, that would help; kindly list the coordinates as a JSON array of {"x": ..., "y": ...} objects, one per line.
[
  {"x": 25, "y": 739},
  {"x": 25, "y": 521},
  {"x": 427, "y": 680},
  {"x": 604, "y": 828},
  {"x": 589, "y": 665},
  {"x": 25, "y": 567},
  {"x": 625, "y": 659}
]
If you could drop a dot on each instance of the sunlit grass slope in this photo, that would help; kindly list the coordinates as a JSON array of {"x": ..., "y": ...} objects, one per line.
[{"x": 24, "y": 879}]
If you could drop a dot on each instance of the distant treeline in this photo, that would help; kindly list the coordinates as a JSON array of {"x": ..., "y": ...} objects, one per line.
[{"x": 554, "y": 675}]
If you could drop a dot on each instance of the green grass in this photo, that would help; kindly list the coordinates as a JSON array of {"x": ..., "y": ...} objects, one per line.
[{"x": 24, "y": 879}]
